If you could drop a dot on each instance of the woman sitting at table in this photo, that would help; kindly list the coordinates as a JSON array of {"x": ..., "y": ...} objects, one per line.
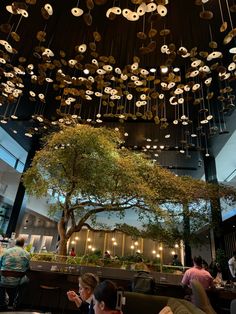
[
  {"x": 108, "y": 299},
  {"x": 87, "y": 284}
]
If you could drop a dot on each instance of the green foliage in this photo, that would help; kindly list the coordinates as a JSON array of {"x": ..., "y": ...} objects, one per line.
[
  {"x": 47, "y": 257},
  {"x": 85, "y": 172},
  {"x": 73, "y": 260},
  {"x": 91, "y": 259}
]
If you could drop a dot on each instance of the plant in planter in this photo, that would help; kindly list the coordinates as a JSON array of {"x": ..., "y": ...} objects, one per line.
[
  {"x": 73, "y": 260},
  {"x": 86, "y": 172},
  {"x": 92, "y": 259},
  {"x": 46, "y": 257}
]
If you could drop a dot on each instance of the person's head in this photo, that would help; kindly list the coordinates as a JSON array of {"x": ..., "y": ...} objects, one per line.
[
  {"x": 204, "y": 264},
  {"x": 20, "y": 242},
  {"x": 197, "y": 260},
  {"x": 234, "y": 254},
  {"x": 175, "y": 256},
  {"x": 87, "y": 284},
  {"x": 72, "y": 249},
  {"x": 107, "y": 297}
]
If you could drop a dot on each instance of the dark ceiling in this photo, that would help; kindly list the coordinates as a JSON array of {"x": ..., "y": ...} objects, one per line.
[{"x": 42, "y": 63}]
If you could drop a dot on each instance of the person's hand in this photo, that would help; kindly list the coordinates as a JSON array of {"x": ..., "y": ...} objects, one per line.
[{"x": 72, "y": 296}]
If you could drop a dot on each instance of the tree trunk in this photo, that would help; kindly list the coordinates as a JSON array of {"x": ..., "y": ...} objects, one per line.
[
  {"x": 62, "y": 246},
  {"x": 217, "y": 229},
  {"x": 187, "y": 247}
]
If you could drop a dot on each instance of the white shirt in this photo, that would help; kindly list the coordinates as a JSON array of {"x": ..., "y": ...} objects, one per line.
[{"x": 232, "y": 266}]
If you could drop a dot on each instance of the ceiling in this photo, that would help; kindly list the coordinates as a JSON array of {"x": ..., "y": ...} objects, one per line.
[{"x": 45, "y": 51}]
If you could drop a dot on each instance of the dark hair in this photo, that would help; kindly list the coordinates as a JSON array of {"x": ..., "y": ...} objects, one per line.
[
  {"x": 198, "y": 260},
  {"x": 108, "y": 292},
  {"x": 234, "y": 253},
  {"x": 89, "y": 280},
  {"x": 20, "y": 242}
]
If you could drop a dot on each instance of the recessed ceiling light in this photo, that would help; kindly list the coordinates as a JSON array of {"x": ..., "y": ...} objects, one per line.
[
  {"x": 86, "y": 71},
  {"x": 153, "y": 70},
  {"x": 176, "y": 69},
  {"x": 28, "y": 134},
  {"x": 164, "y": 69}
]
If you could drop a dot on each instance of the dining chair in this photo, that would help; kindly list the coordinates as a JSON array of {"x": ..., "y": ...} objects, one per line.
[
  {"x": 233, "y": 307},
  {"x": 12, "y": 290}
]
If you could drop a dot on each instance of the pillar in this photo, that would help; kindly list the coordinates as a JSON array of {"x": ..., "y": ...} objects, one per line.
[{"x": 217, "y": 241}]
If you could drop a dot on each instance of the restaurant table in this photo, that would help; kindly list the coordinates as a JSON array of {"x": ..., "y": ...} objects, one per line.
[{"x": 221, "y": 298}]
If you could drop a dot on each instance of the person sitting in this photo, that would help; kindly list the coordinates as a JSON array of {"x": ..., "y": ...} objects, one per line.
[
  {"x": 107, "y": 255},
  {"x": 199, "y": 273},
  {"x": 13, "y": 264},
  {"x": 139, "y": 265},
  {"x": 108, "y": 299},
  {"x": 87, "y": 284},
  {"x": 176, "y": 261}
]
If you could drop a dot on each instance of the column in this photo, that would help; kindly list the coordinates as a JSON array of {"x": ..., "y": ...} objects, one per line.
[{"x": 217, "y": 235}]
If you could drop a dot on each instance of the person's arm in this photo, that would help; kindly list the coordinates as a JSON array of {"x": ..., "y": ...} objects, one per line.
[
  {"x": 185, "y": 280},
  {"x": 211, "y": 282},
  {"x": 231, "y": 268},
  {"x": 185, "y": 283},
  {"x": 72, "y": 296}
]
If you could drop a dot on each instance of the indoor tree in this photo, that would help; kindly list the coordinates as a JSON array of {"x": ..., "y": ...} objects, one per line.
[{"x": 87, "y": 171}]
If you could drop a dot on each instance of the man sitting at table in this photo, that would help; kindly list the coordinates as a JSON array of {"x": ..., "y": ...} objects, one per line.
[
  {"x": 199, "y": 273},
  {"x": 13, "y": 264}
]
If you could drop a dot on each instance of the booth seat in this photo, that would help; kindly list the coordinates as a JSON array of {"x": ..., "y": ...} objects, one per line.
[{"x": 138, "y": 303}]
